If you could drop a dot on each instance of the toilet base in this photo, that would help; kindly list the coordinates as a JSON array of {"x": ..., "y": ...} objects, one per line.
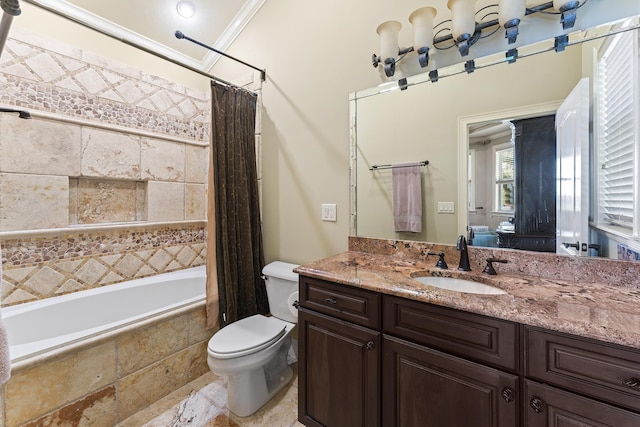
[
  {"x": 244, "y": 404},
  {"x": 248, "y": 391}
]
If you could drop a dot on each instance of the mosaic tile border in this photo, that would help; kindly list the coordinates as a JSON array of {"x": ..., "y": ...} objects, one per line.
[
  {"x": 36, "y": 268},
  {"x": 63, "y": 80}
]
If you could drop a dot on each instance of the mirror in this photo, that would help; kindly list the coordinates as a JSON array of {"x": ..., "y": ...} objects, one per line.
[{"x": 433, "y": 122}]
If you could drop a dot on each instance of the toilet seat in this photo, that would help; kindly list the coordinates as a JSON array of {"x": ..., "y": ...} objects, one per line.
[{"x": 246, "y": 336}]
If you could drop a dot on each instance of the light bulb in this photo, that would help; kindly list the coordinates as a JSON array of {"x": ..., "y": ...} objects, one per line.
[{"x": 186, "y": 9}]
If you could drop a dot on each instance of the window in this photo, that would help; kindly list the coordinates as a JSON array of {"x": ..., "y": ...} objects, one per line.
[
  {"x": 505, "y": 176},
  {"x": 618, "y": 125}
]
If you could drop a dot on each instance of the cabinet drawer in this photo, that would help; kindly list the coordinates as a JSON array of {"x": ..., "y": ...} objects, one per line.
[
  {"x": 608, "y": 372},
  {"x": 551, "y": 407},
  {"x": 468, "y": 335},
  {"x": 359, "y": 306}
]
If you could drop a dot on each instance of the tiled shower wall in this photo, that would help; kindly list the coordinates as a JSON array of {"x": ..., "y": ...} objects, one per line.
[{"x": 108, "y": 144}]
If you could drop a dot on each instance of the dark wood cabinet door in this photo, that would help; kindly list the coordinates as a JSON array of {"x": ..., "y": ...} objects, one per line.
[
  {"x": 422, "y": 387},
  {"x": 339, "y": 372},
  {"x": 551, "y": 407}
]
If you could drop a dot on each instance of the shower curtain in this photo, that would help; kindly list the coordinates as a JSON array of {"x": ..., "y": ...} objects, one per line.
[{"x": 235, "y": 237}]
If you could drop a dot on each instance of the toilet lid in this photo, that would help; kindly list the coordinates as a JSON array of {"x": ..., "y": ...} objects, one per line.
[{"x": 247, "y": 335}]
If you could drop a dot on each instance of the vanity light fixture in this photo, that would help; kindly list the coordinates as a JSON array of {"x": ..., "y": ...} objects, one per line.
[
  {"x": 510, "y": 14},
  {"x": 388, "y": 32},
  {"x": 568, "y": 10},
  {"x": 186, "y": 9},
  {"x": 463, "y": 24},
  {"x": 422, "y": 22},
  {"x": 465, "y": 31}
]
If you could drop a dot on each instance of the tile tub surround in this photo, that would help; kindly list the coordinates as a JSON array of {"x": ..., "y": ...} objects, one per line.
[
  {"x": 111, "y": 380},
  {"x": 43, "y": 264},
  {"x": 599, "y": 305}
]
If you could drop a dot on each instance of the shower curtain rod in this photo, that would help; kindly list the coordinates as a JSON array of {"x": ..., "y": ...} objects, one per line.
[
  {"x": 181, "y": 35},
  {"x": 127, "y": 42}
]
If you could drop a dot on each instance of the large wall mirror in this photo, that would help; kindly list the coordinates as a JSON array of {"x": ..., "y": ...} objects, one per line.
[{"x": 472, "y": 127}]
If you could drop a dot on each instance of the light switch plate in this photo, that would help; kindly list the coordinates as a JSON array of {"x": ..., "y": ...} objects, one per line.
[
  {"x": 446, "y": 207},
  {"x": 329, "y": 212}
]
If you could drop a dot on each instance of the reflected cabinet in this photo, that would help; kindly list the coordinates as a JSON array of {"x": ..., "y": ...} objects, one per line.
[{"x": 535, "y": 186}]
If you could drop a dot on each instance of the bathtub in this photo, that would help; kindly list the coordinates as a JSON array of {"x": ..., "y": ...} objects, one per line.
[{"x": 48, "y": 327}]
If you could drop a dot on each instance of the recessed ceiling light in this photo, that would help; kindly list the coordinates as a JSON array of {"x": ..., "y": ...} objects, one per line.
[{"x": 186, "y": 9}]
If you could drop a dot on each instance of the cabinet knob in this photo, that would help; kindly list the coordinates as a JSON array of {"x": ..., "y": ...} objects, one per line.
[
  {"x": 331, "y": 300},
  {"x": 633, "y": 383},
  {"x": 508, "y": 394},
  {"x": 370, "y": 345},
  {"x": 537, "y": 405}
]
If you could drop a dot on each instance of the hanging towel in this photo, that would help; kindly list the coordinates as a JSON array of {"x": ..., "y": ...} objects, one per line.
[
  {"x": 5, "y": 360},
  {"x": 407, "y": 197}
]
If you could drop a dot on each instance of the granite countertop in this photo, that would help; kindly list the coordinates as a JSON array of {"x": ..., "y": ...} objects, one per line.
[{"x": 595, "y": 310}]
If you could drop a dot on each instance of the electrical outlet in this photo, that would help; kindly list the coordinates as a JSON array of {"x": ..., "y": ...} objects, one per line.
[
  {"x": 328, "y": 212},
  {"x": 446, "y": 207}
]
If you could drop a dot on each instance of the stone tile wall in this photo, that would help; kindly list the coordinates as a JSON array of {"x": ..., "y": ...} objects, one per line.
[{"x": 107, "y": 144}]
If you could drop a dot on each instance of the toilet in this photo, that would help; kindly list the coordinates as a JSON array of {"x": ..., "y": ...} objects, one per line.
[{"x": 252, "y": 352}]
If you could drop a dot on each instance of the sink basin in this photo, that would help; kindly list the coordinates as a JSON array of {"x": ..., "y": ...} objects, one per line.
[{"x": 459, "y": 285}]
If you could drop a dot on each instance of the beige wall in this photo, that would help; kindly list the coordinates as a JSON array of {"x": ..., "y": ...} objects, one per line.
[
  {"x": 315, "y": 54},
  {"x": 306, "y": 117}
]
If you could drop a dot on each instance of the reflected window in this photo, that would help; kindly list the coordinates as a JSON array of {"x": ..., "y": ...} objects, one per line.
[
  {"x": 505, "y": 178},
  {"x": 618, "y": 103}
]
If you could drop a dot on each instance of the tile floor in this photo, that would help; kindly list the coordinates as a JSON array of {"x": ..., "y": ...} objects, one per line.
[{"x": 202, "y": 403}]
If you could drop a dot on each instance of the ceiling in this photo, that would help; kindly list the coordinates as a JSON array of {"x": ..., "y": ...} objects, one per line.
[
  {"x": 153, "y": 23},
  {"x": 216, "y": 23}
]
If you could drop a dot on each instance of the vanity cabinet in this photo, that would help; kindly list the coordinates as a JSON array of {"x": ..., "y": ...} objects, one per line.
[
  {"x": 339, "y": 355},
  {"x": 368, "y": 359},
  {"x": 586, "y": 382}
]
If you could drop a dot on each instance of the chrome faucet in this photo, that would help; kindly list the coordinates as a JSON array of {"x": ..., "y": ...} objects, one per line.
[{"x": 461, "y": 245}]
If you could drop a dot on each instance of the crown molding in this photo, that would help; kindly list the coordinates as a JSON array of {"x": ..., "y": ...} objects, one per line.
[
  {"x": 91, "y": 20},
  {"x": 233, "y": 30}
]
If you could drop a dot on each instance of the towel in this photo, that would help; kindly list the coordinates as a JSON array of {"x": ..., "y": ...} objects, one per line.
[
  {"x": 407, "y": 197},
  {"x": 5, "y": 359}
]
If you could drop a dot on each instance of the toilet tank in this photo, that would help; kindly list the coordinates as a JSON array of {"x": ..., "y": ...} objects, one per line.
[{"x": 282, "y": 289}]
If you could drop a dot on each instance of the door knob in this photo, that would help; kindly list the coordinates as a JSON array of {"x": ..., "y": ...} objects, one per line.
[{"x": 572, "y": 245}]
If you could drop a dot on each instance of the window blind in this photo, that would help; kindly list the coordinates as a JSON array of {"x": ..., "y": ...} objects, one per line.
[{"x": 618, "y": 121}]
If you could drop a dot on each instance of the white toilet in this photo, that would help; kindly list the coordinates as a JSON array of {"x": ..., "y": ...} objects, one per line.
[{"x": 252, "y": 352}]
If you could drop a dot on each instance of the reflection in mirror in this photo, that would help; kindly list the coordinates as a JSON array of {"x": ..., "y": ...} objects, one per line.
[
  {"x": 513, "y": 184},
  {"x": 438, "y": 122}
]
